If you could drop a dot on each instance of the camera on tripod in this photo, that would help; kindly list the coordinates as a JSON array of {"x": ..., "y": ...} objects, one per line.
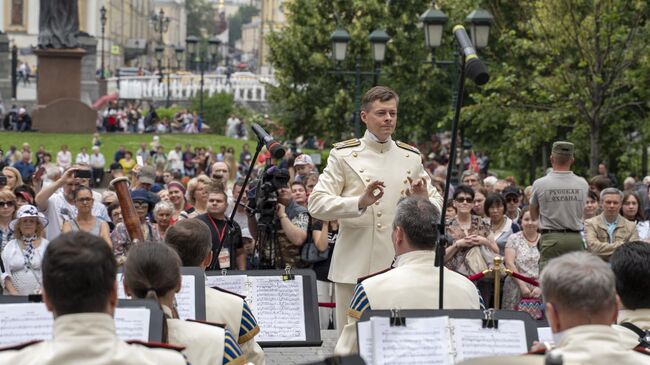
[{"x": 263, "y": 194}]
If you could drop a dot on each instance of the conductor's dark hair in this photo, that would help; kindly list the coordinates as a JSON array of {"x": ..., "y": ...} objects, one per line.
[
  {"x": 631, "y": 265},
  {"x": 464, "y": 189},
  {"x": 79, "y": 272},
  {"x": 152, "y": 270},
  {"x": 419, "y": 219},
  {"x": 192, "y": 240}
]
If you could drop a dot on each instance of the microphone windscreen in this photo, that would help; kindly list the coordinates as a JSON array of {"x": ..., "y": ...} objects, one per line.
[
  {"x": 276, "y": 150},
  {"x": 476, "y": 70}
]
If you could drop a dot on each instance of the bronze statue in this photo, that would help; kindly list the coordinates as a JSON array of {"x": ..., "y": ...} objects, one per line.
[{"x": 58, "y": 24}]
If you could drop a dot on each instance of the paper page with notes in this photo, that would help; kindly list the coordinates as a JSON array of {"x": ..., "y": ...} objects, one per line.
[
  {"x": 237, "y": 284},
  {"x": 23, "y": 322},
  {"x": 278, "y": 305},
  {"x": 423, "y": 341},
  {"x": 472, "y": 340}
]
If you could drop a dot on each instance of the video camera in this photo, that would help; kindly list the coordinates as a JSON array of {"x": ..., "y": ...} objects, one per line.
[{"x": 263, "y": 194}]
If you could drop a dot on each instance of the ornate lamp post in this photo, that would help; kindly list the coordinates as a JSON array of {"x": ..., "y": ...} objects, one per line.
[
  {"x": 103, "y": 20},
  {"x": 206, "y": 57},
  {"x": 340, "y": 39}
]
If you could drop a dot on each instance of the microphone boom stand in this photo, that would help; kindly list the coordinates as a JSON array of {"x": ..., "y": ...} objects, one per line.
[{"x": 442, "y": 239}]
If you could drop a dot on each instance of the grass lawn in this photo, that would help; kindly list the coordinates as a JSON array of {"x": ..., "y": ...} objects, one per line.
[{"x": 111, "y": 141}]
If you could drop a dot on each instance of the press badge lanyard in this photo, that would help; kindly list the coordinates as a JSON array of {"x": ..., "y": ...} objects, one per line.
[{"x": 221, "y": 240}]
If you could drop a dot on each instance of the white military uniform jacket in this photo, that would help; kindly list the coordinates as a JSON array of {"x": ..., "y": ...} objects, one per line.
[
  {"x": 88, "y": 339},
  {"x": 232, "y": 310},
  {"x": 205, "y": 344},
  {"x": 364, "y": 242},
  {"x": 597, "y": 345},
  {"x": 639, "y": 318},
  {"x": 411, "y": 284}
]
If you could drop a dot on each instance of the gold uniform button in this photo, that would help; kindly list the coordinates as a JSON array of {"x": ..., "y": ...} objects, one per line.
[
  {"x": 377, "y": 202},
  {"x": 407, "y": 155},
  {"x": 401, "y": 192},
  {"x": 378, "y": 225},
  {"x": 362, "y": 170},
  {"x": 408, "y": 172},
  {"x": 378, "y": 214},
  {"x": 354, "y": 154},
  {"x": 405, "y": 181},
  {"x": 367, "y": 179}
]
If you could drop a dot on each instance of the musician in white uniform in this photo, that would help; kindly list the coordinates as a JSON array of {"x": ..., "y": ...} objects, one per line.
[
  {"x": 80, "y": 290},
  {"x": 412, "y": 282},
  {"x": 192, "y": 239}
]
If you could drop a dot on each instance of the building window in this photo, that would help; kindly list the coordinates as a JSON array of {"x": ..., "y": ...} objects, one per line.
[{"x": 17, "y": 12}]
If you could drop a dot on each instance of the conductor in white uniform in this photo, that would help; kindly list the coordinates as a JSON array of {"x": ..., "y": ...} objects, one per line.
[{"x": 361, "y": 186}]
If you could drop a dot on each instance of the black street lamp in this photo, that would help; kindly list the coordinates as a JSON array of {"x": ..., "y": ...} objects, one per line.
[
  {"x": 160, "y": 23},
  {"x": 179, "y": 50},
  {"x": 340, "y": 39},
  {"x": 103, "y": 20},
  {"x": 206, "y": 57}
]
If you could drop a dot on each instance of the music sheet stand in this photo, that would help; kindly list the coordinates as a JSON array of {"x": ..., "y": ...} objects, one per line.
[{"x": 310, "y": 303}]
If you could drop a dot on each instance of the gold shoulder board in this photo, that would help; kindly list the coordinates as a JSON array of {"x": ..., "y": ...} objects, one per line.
[
  {"x": 407, "y": 147},
  {"x": 347, "y": 144}
]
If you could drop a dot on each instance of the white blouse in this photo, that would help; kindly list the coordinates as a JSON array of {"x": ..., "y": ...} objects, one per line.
[{"x": 27, "y": 281}]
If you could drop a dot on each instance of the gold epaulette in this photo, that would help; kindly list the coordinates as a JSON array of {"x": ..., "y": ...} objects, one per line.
[
  {"x": 346, "y": 144},
  {"x": 407, "y": 147}
]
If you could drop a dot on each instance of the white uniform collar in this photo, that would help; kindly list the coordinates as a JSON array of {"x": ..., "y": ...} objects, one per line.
[
  {"x": 374, "y": 144},
  {"x": 417, "y": 257},
  {"x": 83, "y": 325}
]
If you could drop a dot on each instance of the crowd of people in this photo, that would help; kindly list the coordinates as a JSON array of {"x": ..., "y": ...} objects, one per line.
[{"x": 376, "y": 205}]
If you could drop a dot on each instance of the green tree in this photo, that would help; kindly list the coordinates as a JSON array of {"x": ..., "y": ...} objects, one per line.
[
  {"x": 308, "y": 99},
  {"x": 200, "y": 17},
  {"x": 241, "y": 17},
  {"x": 565, "y": 71}
]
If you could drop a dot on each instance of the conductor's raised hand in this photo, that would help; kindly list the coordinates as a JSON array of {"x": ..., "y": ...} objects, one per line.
[
  {"x": 418, "y": 187},
  {"x": 374, "y": 191}
]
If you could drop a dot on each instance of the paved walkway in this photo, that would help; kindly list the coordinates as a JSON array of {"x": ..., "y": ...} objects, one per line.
[{"x": 302, "y": 355}]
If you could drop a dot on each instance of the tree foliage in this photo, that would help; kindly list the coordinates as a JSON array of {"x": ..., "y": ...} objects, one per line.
[
  {"x": 560, "y": 69},
  {"x": 200, "y": 18},
  {"x": 235, "y": 22}
]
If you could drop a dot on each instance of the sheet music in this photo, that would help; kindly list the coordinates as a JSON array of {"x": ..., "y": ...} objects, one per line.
[
  {"x": 186, "y": 298},
  {"x": 544, "y": 334},
  {"x": 132, "y": 323},
  {"x": 472, "y": 340},
  {"x": 364, "y": 336},
  {"x": 232, "y": 283},
  {"x": 278, "y": 307},
  {"x": 422, "y": 341},
  {"x": 23, "y": 322}
]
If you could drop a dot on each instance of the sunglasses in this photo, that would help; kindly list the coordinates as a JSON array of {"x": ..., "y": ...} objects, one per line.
[
  {"x": 140, "y": 204},
  {"x": 512, "y": 200},
  {"x": 7, "y": 204},
  {"x": 464, "y": 200}
]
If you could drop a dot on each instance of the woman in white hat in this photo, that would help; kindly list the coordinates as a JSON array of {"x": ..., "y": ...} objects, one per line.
[{"x": 23, "y": 255}]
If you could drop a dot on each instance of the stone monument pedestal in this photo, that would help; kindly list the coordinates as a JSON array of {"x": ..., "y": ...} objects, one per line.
[{"x": 59, "y": 107}]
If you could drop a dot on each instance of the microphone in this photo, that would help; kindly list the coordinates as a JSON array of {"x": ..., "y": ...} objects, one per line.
[
  {"x": 276, "y": 149},
  {"x": 474, "y": 67}
]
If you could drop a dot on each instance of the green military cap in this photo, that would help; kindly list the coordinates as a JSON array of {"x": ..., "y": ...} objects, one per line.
[{"x": 563, "y": 148}]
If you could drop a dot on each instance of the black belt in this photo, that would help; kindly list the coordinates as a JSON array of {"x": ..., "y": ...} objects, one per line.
[{"x": 544, "y": 231}]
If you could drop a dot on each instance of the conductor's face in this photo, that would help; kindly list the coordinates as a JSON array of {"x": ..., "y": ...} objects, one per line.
[{"x": 381, "y": 118}]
